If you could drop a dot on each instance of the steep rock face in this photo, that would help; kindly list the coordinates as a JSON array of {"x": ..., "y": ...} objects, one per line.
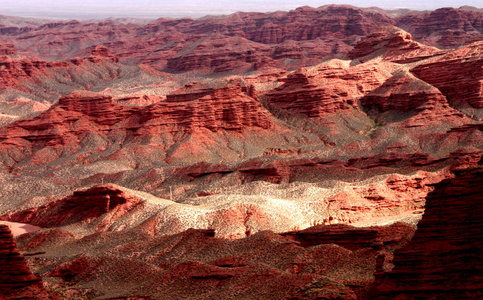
[
  {"x": 46, "y": 79},
  {"x": 83, "y": 205},
  {"x": 423, "y": 103},
  {"x": 226, "y": 108},
  {"x": 403, "y": 92},
  {"x": 83, "y": 113},
  {"x": 330, "y": 29},
  {"x": 445, "y": 27},
  {"x": 68, "y": 39},
  {"x": 299, "y": 95},
  {"x": 303, "y": 23},
  {"x": 64, "y": 124},
  {"x": 16, "y": 279},
  {"x": 14, "y": 67},
  {"x": 444, "y": 258},
  {"x": 221, "y": 108},
  {"x": 326, "y": 89},
  {"x": 458, "y": 75},
  {"x": 288, "y": 49},
  {"x": 181, "y": 44},
  {"x": 99, "y": 108},
  {"x": 352, "y": 238},
  {"x": 220, "y": 54},
  {"x": 393, "y": 44}
]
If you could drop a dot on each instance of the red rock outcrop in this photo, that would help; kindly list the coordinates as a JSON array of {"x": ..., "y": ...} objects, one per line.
[
  {"x": 444, "y": 258},
  {"x": 226, "y": 108},
  {"x": 326, "y": 89},
  {"x": 450, "y": 74},
  {"x": 182, "y": 44},
  {"x": 445, "y": 27},
  {"x": 423, "y": 103},
  {"x": 16, "y": 279},
  {"x": 13, "y": 66},
  {"x": 299, "y": 95},
  {"x": 220, "y": 108},
  {"x": 392, "y": 44},
  {"x": 314, "y": 34},
  {"x": 82, "y": 112},
  {"x": 46, "y": 80},
  {"x": 63, "y": 40},
  {"x": 306, "y": 23},
  {"x": 352, "y": 238},
  {"x": 403, "y": 92},
  {"x": 101, "y": 52},
  {"x": 83, "y": 205},
  {"x": 7, "y": 49},
  {"x": 220, "y": 54}
]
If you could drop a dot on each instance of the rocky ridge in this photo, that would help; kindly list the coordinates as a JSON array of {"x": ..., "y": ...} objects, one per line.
[
  {"x": 444, "y": 27},
  {"x": 292, "y": 39},
  {"x": 392, "y": 44},
  {"x": 357, "y": 140},
  {"x": 461, "y": 91}
]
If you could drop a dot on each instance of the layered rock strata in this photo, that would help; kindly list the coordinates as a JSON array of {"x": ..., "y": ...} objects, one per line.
[
  {"x": 16, "y": 279},
  {"x": 326, "y": 89},
  {"x": 392, "y": 44},
  {"x": 83, "y": 205},
  {"x": 83, "y": 113},
  {"x": 445, "y": 257},
  {"x": 450, "y": 75}
]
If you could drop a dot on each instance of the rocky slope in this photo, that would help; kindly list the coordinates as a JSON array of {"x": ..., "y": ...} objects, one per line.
[
  {"x": 16, "y": 279},
  {"x": 154, "y": 184},
  {"x": 14, "y": 67},
  {"x": 81, "y": 116},
  {"x": 326, "y": 89},
  {"x": 222, "y": 54},
  {"x": 394, "y": 45},
  {"x": 198, "y": 264},
  {"x": 444, "y": 258},
  {"x": 464, "y": 91},
  {"x": 343, "y": 110}
]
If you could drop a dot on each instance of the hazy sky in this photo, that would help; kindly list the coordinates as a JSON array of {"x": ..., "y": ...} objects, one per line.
[{"x": 194, "y": 8}]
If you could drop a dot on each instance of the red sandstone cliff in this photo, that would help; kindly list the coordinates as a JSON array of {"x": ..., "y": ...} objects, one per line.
[
  {"x": 326, "y": 89},
  {"x": 16, "y": 279},
  {"x": 313, "y": 34},
  {"x": 444, "y": 258},
  {"x": 84, "y": 205},
  {"x": 450, "y": 75},
  {"x": 392, "y": 44},
  {"x": 445, "y": 27},
  {"x": 14, "y": 67},
  {"x": 82, "y": 114}
]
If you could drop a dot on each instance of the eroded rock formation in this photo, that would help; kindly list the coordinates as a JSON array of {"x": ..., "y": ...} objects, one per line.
[
  {"x": 445, "y": 27},
  {"x": 16, "y": 279},
  {"x": 444, "y": 258},
  {"x": 449, "y": 75},
  {"x": 81, "y": 113},
  {"x": 83, "y": 205},
  {"x": 392, "y": 44}
]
